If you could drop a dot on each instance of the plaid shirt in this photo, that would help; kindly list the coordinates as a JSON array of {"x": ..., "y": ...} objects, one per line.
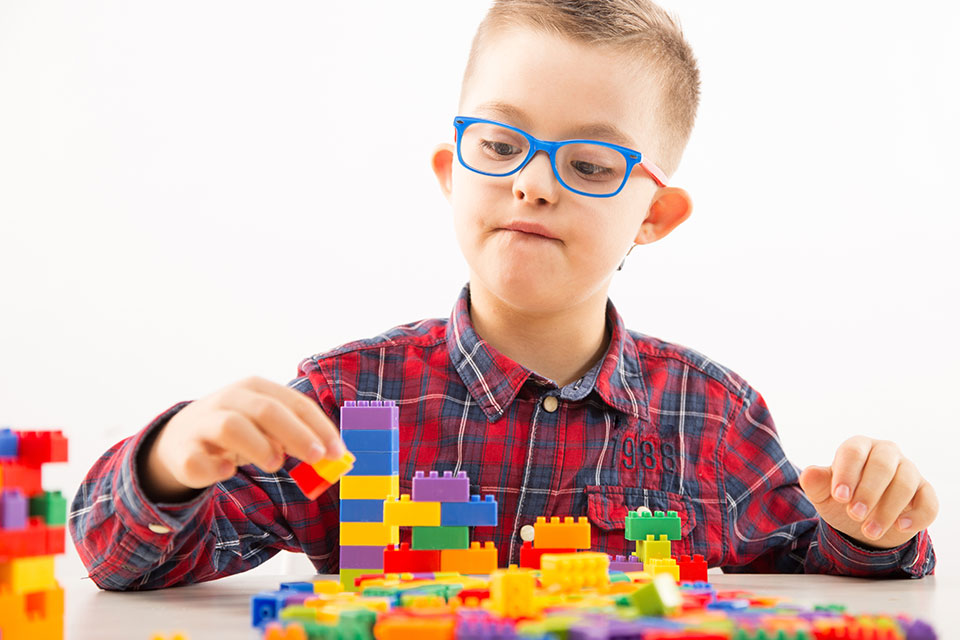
[{"x": 651, "y": 424}]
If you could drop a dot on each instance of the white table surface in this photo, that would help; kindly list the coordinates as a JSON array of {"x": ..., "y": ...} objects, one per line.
[{"x": 221, "y": 609}]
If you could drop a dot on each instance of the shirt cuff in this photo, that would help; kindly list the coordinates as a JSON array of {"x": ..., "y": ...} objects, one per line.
[
  {"x": 153, "y": 525},
  {"x": 847, "y": 557}
]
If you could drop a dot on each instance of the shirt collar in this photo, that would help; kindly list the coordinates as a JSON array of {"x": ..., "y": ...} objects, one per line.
[{"x": 494, "y": 380}]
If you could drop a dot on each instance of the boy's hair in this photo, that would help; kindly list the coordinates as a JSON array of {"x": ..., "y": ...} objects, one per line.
[{"x": 641, "y": 30}]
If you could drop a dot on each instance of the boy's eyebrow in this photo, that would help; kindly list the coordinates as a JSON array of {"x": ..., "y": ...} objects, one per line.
[{"x": 591, "y": 130}]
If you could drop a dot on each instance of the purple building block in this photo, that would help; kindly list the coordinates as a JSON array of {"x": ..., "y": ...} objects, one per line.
[
  {"x": 625, "y": 563},
  {"x": 361, "y": 557},
  {"x": 13, "y": 509},
  {"x": 369, "y": 414},
  {"x": 433, "y": 488}
]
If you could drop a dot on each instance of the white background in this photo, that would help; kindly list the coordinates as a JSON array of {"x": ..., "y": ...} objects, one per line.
[{"x": 193, "y": 192}]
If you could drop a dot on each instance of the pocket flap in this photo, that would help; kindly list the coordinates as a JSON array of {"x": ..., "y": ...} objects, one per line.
[{"x": 607, "y": 506}]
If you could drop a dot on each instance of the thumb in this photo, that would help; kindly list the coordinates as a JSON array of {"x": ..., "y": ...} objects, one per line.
[{"x": 815, "y": 482}]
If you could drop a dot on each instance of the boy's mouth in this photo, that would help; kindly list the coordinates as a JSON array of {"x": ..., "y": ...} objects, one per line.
[{"x": 529, "y": 228}]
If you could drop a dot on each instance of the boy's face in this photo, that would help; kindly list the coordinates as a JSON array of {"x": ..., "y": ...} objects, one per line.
[{"x": 558, "y": 86}]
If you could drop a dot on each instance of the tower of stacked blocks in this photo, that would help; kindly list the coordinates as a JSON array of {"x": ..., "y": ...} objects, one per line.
[
  {"x": 653, "y": 534},
  {"x": 32, "y": 523}
]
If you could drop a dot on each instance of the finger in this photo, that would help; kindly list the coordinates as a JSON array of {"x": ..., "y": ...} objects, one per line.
[
  {"x": 895, "y": 499},
  {"x": 237, "y": 435},
  {"x": 277, "y": 422},
  {"x": 922, "y": 509},
  {"x": 848, "y": 465},
  {"x": 309, "y": 412},
  {"x": 201, "y": 468},
  {"x": 881, "y": 465},
  {"x": 815, "y": 482}
]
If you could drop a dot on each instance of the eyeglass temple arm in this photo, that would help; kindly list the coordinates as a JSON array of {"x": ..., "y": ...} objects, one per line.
[{"x": 654, "y": 171}]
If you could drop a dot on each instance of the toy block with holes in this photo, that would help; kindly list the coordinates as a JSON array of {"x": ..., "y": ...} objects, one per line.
[
  {"x": 475, "y": 513},
  {"x": 574, "y": 571},
  {"x": 566, "y": 533},
  {"x": 475, "y": 560},
  {"x": 32, "y": 532},
  {"x": 653, "y": 548},
  {"x": 658, "y": 566},
  {"x": 404, "y": 559},
  {"x": 407, "y": 513},
  {"x": 692, "y": 569},
  {"x": 436, "y": 488},
  {"x": 642, "y": 523},
  {"x": 626, "y": 564}
]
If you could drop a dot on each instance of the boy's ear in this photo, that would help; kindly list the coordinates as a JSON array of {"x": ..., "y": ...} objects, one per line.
[
  {"x": 442, "y": 162},
  {"x": 669, "y": 207}
]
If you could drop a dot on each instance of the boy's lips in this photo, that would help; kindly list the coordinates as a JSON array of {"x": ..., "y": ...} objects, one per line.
[{"x": 530, "y": 228}]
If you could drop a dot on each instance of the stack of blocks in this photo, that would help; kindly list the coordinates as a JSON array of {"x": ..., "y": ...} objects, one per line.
[
  {"x": 32, "y": 525},
  {"x": 441, "y": 513},
  {"x": 554, "y": 536},
  {"x": 653, "y": 533},
  {"x": 371, "y": 431}
]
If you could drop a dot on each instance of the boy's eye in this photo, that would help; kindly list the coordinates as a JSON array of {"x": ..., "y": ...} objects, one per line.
[
  {"x": 500, "y": 148},
  {"x": 594, "y": 170}
]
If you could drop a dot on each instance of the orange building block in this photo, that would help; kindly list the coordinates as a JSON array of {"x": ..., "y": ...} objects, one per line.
[
  {"x": 475, "y": 560},
  {"x": 561, "y": 534}
]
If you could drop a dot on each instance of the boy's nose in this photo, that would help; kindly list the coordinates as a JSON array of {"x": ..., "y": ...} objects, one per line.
[{"x": 536, "y": 178}]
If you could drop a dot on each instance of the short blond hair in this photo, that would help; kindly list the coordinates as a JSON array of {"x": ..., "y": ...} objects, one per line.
[{"x": 641, "y": 29}]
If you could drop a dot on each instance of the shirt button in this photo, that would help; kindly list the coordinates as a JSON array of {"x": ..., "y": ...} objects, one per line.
[
  {"x": 158, "y": 528},
  {"x": 550, "y": 404}
]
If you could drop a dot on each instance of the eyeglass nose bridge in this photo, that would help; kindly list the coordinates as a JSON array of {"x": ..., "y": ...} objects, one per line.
[{"x": 548, "y": 147}]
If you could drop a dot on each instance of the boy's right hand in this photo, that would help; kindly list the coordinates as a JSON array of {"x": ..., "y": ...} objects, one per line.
[{"x": 251, "y": 421}]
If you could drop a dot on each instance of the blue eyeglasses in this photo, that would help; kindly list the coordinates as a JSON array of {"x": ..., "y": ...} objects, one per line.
[{"x": 588, "y": 167}]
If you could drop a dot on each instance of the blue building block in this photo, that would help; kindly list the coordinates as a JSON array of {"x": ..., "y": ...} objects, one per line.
[
  {"x": 266, "y": 605},
  {"x": 361, "y": 510},
  {"x": 367, "y": 440},
  {"x": 475, "y": 513},
  {"x": 306, "y": 587},
  {"x": 374, "y": 463},
  {"x": 9, "y": 443}
]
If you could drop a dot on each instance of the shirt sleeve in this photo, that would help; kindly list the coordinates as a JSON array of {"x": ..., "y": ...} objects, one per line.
[
  {"x": 771, "y": 527},
  {"x": 127, "y": 542}
]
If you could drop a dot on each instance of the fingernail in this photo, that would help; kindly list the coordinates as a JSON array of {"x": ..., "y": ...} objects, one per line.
[
  {"x": 872, "y": 530},
  {"x": 859, "y": 511},
  {"x": 905, "y": 523},
  {"x": 842, "y": 492},
  {"x": 316, "y": 453}
]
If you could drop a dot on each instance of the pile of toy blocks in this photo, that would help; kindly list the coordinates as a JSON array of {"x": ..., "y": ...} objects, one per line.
[
  {"x": 441, "y": 512},
  {"x": 553, "y": 536},
  {"x": 653, "y": 534},
  {"x": 32, "y": 531}
]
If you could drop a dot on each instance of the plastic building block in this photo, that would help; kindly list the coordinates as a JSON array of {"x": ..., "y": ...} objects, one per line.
[
  {"x": 407, "y": 513},
  {"x": 693, "y": 570},
  {"x": 626, "y": 563},
  {"x": 25, "y": 575},
  {"x": 475, "y": 513},
  {"x": 8, "y": 444},
  {"x": 530, "y": 556},
  {"x": 309, "y": 480},
  {"x": 511, "y": 592},
  {"x": 371, "y": 440},
  {"x": 13, "y": 509},
  {"x": 365, "y": 414},
  {"x": 368, "y": 557},
  {"x": 23, "y": 477},
  {"x": 475, "y": 560},
  {"x": 38, "y": 447},
  {"x": 331, "y": 470},
  {"x": 406, "y": 627},
  {"x": 653, "y": 548},
  {"x": 51, "y": 506},
  {"x": 656, "y": 598},
  {"x": 565, "y": 534},
  {"x": 573, "y": 571},
  {"x": 361, "y": 510},
  {"x": 266, "y": 606},
  {"x": 348, "y": 577},
  {"x": 404, "y": 559},
  {"x": 662, "y": 566},
  {"x": 433, "y": 488},
  {"x": 368, "y": 534},
  {"x": 640, "y": 525},
  {"x": 357, "y": 487},
  {"x": 441, "y": 538},
  {"x": 376, "y": 463}
]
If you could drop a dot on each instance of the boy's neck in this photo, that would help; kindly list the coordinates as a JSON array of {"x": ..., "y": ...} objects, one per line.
[{"x": 561, "y": 347}]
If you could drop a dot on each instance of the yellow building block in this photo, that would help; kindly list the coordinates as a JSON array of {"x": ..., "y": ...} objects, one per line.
[
  {"x": 651, "y": 548},
  {"x": 372, "y": 534},
  {"x": 369, "y": 487},
  {"x": 565, "y": 534},
  {"x": 33, "y": 616},
  {"x": 511, "y": 592},
  {"x": 331, "y": 470},
  {"x": 26, "y": 575},
  {"x": 407, "y": 513},
  {"x": 476, "y": 559},
  {"x": 661, "y": 566},
  {"x": 573, "y": 571}
]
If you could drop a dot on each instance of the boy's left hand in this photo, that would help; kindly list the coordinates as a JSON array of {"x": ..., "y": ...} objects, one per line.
[{"x": 872, "y": 493}]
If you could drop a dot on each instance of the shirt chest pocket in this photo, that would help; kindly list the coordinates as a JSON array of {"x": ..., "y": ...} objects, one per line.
[{"x": 607, "y": 508}]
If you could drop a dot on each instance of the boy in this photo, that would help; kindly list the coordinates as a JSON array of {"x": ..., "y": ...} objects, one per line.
[{"x": 534, "y": 387}]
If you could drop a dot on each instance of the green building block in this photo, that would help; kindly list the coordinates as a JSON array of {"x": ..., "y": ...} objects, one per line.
[
  {"x": 643, "y": 524},
  {"x": 347, "y": 577},
  {"x": 52, "y": 506},
  {"x": 440, "y": 538},
  {"x": 656, "y": 598}
]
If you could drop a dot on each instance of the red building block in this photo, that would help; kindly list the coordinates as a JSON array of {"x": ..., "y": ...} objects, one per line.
[
  {"x": 309, "y": 480},
  {"x": 693, "y": 570},
  {"x": 55, "y": 541},
  {"x": 530, "y": 556},
  {"x": 38, "y": 447},
  {"x": 405, "y": 559},
  {"x": 20, "y": 476}
]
